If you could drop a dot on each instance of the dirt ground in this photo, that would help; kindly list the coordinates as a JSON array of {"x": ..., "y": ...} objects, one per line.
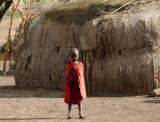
[{"x": 42, "y": 105}]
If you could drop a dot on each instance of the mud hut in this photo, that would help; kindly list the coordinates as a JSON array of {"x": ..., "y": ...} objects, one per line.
[{"x": 121, "y": 51}]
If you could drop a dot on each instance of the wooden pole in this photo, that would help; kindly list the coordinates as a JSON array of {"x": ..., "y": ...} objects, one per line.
[
  {"x": 9, "y": 42},
  {"x": 8, "y": 45},
  {"x": 30, "y": 3}
]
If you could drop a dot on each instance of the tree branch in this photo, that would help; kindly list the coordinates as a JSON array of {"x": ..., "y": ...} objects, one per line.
[{"x": 4, "y": 5}]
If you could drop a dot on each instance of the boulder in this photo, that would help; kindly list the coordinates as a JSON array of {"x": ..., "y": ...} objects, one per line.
[{"x": 156, "y": 93}]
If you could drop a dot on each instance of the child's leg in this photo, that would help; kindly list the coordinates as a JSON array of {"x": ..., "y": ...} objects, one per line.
[
  {"x": 69, "y": 110},
  {"x": 80, "y": 111}
]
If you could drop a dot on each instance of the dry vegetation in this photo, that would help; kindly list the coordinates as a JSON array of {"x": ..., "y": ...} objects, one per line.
[
  {"x": 81, "y": 11},
  {"x": 78, "y": 12}
]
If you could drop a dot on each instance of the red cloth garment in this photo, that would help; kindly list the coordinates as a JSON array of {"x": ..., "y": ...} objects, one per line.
[{"x": 74, "y": 85}]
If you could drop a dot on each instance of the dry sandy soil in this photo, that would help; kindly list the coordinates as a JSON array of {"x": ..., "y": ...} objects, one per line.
[{"x": 42, "y": 105}]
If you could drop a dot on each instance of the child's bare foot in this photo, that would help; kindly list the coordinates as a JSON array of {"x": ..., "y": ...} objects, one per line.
[
  {"x": 81, "y": 117},
  {"x": 69, "y": 117}
]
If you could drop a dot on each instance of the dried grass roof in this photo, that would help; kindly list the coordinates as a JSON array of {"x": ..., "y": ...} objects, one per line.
[{"x": 81, "y": 11}]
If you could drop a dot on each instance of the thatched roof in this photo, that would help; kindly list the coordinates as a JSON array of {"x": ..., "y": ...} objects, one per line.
[{"x": 82, "y": 11}]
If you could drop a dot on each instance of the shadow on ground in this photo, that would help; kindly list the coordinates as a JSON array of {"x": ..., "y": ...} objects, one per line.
[
  {"x": 12, "y": 91},
  {"x": 9, "y": 90},
  {"x": 29, "y": 119},
  {"x": 156, "y": 101}
]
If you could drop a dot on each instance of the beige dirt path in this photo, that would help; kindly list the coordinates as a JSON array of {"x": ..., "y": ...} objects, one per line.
[{"x": 42, "y": 105}]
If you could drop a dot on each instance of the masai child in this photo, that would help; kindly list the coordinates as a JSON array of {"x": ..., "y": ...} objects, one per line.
[{"x": 75, "y": 90}]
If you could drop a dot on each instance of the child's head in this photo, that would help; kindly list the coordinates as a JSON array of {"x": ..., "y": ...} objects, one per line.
[{"x": 74, "y": 54}]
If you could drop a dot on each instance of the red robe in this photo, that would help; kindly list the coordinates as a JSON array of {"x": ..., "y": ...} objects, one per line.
[{"x": 74, "y": 85}]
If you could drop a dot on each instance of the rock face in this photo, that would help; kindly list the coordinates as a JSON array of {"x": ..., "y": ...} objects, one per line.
[{"x": 121, "y": 53}]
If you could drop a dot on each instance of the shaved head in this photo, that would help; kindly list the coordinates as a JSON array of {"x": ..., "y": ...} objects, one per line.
[
  {"x": 74, "y": 54},
  {"x": 74, "y": 51}
]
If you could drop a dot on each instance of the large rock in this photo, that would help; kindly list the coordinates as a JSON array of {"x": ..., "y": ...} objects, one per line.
[
  {"x": 156, "y": 93},
  {"x": 121, "y": 53}
]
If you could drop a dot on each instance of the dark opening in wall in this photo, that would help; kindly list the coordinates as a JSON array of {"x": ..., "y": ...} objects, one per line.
[
  {"x": 29, "y": 59},
  {"x": 120, "y": 52},
  {"x": 57, "y": 49},
  {"x": 50, "y": 77},
  {"x": 101, "y": 68}
]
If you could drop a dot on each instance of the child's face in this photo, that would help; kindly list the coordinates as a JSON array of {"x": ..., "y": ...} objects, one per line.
[{"x": 74, "y": 56}]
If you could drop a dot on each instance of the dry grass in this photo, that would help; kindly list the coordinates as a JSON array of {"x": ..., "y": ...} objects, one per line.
[{"x": 81, "y": 11}]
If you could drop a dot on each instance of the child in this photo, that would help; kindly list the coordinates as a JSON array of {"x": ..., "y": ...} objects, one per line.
[{"x": 75, "y": 90}]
